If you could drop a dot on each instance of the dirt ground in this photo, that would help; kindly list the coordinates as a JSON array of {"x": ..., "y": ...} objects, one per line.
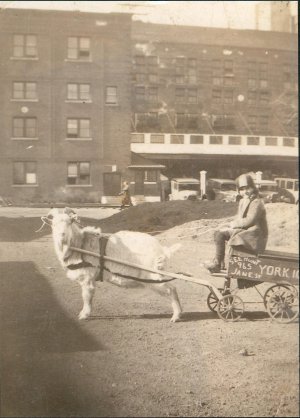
[{"x": 128, "y": 359}]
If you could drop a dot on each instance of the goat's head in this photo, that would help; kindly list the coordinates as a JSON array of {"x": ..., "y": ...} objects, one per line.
[{"x": 65, "y": 232}]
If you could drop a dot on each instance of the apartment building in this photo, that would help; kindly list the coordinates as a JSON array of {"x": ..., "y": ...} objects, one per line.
[
  {"x": 91, "y": 99},
  {"x": 65, "y": 97},
  {"x": 219, "y": 100}
]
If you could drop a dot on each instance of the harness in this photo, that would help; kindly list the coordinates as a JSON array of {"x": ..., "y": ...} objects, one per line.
[{"x": 103, "y": 240}]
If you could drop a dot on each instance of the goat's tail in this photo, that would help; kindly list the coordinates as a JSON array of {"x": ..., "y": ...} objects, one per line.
[{"x": 172, "y": 249}]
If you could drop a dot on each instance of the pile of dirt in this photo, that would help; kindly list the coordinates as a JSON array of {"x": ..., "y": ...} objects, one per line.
[
  {"x": 197, "y": 220},
  {"x": 161, "y": 216}
]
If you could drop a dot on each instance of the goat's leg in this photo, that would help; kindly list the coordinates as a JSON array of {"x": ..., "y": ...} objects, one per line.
[
  {"x": 88, "y": 291},
  {"x": 168, "y": 290}
]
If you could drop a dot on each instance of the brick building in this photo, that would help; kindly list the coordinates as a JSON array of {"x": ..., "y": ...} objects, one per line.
[
  {"x": 221, "y": 100},
  {"x": 65, "y": 97},
  {"x": 91, "y": 99}
]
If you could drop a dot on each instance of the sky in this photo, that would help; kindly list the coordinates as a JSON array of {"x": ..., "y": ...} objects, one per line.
[{"x": 226, "y": 14}]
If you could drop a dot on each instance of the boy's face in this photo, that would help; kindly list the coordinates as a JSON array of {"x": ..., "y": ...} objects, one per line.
[{"x": 246, "y": 191}]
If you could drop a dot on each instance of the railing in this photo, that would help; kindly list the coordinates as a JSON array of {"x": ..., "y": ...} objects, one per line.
[{"x": 166, "y": 143}]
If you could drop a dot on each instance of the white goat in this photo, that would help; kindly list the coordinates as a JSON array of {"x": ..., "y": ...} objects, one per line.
[{"x": 128, "y": 246}]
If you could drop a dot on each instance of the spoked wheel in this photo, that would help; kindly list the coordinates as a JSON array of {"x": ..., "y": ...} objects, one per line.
[
  {"x": 283, "y": 304},
  {"x": 272, "y": 290},
  {"x": 212, "y": 301},
  {"x": 230, "y": 308}
]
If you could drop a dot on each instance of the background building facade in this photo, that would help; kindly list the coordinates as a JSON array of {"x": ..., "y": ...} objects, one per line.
[
  {"x": 220, "y": 100},
  {"x": 65, "y": 93},
  {"x": 90, "y": 99}
]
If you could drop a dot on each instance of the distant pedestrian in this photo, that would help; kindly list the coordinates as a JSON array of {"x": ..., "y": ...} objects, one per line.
[{"x": 126, "y": 200}]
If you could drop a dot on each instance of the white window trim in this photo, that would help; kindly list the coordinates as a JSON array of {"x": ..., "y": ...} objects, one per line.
[
  {"x": 77, "y": 101},
  {"x": 78, "y": 60},
  {"x": 24, "y": 100},
  {"x": 25, "y": 185},
  {"x": 78, "y": 185},
  {"x": 24, "y": 58},
  {"x": 79, "y": 139},
  {"x": 24, "y": 138}
]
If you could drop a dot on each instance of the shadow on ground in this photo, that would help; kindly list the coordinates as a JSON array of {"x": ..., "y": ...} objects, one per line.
[
  {"x": 21, "y": 229},
  {"x": 39, "y": 347}
]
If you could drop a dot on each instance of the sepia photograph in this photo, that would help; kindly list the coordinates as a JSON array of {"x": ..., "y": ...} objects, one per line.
[{"x": 149, "y": 209}]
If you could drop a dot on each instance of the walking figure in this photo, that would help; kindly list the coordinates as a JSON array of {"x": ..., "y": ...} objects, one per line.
[{"x": 126, "y": 200}]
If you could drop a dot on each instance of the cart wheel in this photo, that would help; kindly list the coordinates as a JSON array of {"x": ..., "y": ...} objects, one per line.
[
  {"x": 230, "y": 308},
  {"x": 212, "y": 301},
  {"x": 272, "y": 290},
  {"x": 283, "y": 305}
]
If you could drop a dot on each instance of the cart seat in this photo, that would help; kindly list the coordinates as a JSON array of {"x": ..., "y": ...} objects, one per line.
[{"x": 279, "y": 255}]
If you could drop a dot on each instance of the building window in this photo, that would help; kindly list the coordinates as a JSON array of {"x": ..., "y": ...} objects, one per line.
[
  {"x": 192, "y": 96},
  {"x": 228, "y": 96},
  {"x": 140, "y": 93},
  {"x": 253, "y": 140},
  {"x": 263, "y": 70},
  {"x": 24, "y": 172},
  {"x": 228, "y": 81},
  {"x": 111, "y": 96},
  {"x": 78, "y": 173},
  {"x": 263, "y": 84},
  {"x": 140, "y": 77},
  {"x": 234, "y": 140},
  {"x": 137, "y": 138},
  {"x": 78, "y": 48},
  {"x": 140, "y": 64},
  {"x": 186, "y": 121},
  {"x": 251, "y": 83},
  {"x": 156, "y": 139},
  {"x": 264, "y": 122},
  {"x": 180, "y": 64},
  {"x": 76, "y": 91},
  {"x": 78, "y": 128},
  {"x": 216, "y": 140},
  {"x": 252, "y": 97},
  {"x": 24, "y": 127},
  {"x": 150, "y": 176},
  {"x": 288, "y": 142},
  {"x": 177, "y": 139},
  {"x": 196, "y": 139},
  {"x": 180, "y": 95},
  {"x": 179, "y": 79},
  {"x": 152, "y": 63},
  {"x": 180, "y": 120},
  {"x": 153, "y": 94},
  {"x": 216, "y": 96},
  {"x": 271, "y": 141},
  {"x": 24, "y": 90},
  {"x": 223, "y": 122},
  {"x": 153, "y": 78},
  {"x": 264, "y": 98},
  {"x": 25, "y": 46},
  {"x": 228, "y": 66},
  {"x": 252, "y": 122},
  {"x": 216, "y": 68},
  {"x": 252, "y": 68},
  {"x": 192, "y": 71},
  {"x": 217, "y": 81}
]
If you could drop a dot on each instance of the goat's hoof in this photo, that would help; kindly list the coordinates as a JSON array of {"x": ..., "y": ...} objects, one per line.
[
  {"x": 175, "y": 318},
  {"x": 83, "y": 315}
]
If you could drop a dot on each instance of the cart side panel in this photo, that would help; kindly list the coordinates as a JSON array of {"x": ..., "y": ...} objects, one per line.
[{"x": 268, "y": 269}]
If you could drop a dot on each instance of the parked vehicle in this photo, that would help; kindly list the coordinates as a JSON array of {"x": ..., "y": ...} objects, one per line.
[
  {"x": 221, "y": 189},
  {"x": 184, "y": 188},
  {"x": 268, "y": 190},
  {"x": 288, "y": 189}
]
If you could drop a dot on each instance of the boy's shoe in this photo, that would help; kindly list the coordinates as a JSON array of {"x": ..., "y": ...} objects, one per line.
[{"x": 213, "y": 266}]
